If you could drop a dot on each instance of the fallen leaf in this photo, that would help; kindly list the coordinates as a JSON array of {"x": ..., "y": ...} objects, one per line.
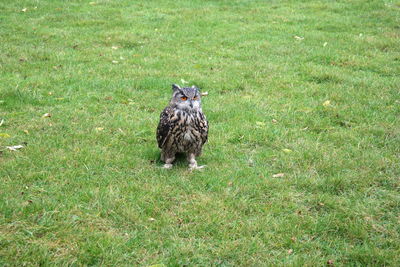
[
  {"x": 274, "y": 121},
  {"x": 46, "y": 115},
  {"x": 293, "y": 238},
  {"x": 327, "y": 103},
  {"x": 298, "y": 38},
  {"x": 290, "y": 251},
  {"x": 115, "y": 62},
  {"x": 204, "y": 94},
  {"x": 99, "y": 129},
  {"x": 4, "y": 135},
  {"x": 14, "y": 148},
  {"x": 152, "y": 219},
  {"x": 287, "y": 150},
  {"x": 114, "y": 47},
  {"x": 26, "y": 131},
  {"x": 24, "y": 9},
  {"x": 330, "y": 262},
  {"x": 278, "y": 175},
  {"x": 1, "y": 122}
]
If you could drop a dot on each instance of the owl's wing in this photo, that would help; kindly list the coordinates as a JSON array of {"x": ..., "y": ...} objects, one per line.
[
  {"x": 164, "y": 126},
  {"x": 204, "y": 128}
]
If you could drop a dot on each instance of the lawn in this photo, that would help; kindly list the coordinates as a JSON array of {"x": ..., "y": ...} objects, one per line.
[{"x": 303, "y": 158}]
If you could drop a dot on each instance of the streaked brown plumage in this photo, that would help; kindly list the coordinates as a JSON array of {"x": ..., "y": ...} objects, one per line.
[{"x": 183, "y": 128}]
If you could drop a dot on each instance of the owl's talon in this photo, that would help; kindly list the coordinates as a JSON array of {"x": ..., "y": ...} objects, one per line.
[
  {"x": 167, "y": 166},
  {"x": 195, "y": 167}
]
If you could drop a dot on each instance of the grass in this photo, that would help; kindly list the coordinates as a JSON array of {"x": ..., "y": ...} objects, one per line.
[{"x": 309, "y": 89}]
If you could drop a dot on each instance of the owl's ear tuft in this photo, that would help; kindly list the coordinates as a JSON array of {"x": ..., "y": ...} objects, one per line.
[
  {"x": 176, "y": 87},
  {"x": 195, "y": 87}
]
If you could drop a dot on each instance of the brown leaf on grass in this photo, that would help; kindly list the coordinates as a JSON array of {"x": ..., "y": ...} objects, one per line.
[
  {"x": 278, "y": 175},
  {"x": 290, "y": 251},
  {"x": 298, "y": 38},
  {"x": 274, "y": 121},
  {"x": 329, "y": 262},
  {"x": 46, "y": 115}
]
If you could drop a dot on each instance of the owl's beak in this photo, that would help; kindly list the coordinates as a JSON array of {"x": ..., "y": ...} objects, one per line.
[{"x": 191, "y": 104}]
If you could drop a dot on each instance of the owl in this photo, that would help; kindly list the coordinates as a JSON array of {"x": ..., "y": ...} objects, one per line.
[{"x": 183, "y": 128}]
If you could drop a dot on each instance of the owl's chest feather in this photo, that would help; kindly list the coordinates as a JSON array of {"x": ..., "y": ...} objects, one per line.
[{"x": 187, "y": 131}]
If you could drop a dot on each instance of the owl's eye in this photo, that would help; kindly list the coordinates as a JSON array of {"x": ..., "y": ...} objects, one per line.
[
  {"x": 195, "y": 98},
  {"x": 184, "y": 98}
]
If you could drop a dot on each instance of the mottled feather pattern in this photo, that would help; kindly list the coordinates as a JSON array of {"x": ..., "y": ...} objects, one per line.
[
  {"x": 183, "y": 128},
  {"x": 182, "y": 131}
]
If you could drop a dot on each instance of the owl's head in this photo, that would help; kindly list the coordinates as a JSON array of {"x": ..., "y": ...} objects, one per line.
[{"x": 186, "y": 98}]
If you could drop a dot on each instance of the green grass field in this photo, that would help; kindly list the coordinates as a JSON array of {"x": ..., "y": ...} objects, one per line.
[{"x": 308, "y": 90}]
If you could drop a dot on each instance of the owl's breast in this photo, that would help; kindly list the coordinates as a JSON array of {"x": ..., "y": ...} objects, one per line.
[{"x": 187, "y": 135}]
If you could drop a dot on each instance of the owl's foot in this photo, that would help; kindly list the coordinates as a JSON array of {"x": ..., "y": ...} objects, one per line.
[
  {"x": 167, "y": 166},
  {"x": 193, "y": 163},
  {"x": 168, "y": 163},
  {"x": 195, "y": 167}
]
